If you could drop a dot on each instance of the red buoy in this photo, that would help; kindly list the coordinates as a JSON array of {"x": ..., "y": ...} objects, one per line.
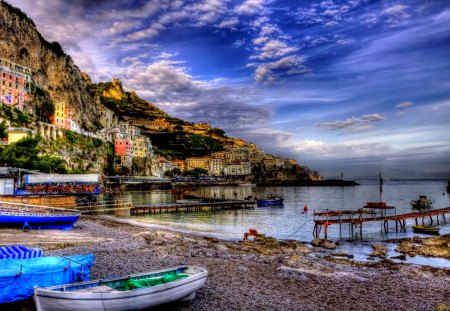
[{"x": 305, "y": 208}]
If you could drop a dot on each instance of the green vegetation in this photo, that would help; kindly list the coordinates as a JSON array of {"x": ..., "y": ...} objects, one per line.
[
  {"x": 24, "y": 154},
  {"x": 15, "y": 116},
  {"x": 196, "y": 172},
  {"x": 3, "y": 130}
]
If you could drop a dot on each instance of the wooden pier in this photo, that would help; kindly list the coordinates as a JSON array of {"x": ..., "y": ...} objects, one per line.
[
  {"x": 192, "y": 207},
  {"x": 356, "y": 218}
]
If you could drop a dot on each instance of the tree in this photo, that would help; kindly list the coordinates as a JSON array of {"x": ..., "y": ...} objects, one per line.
[{"x": 3, "y": 131}]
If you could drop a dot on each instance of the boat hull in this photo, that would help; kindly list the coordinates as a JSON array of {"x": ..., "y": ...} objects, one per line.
[
  {"x": 28, "y": 220},
  {"x": 113, "y": 300},
  {"x": 425, "y": 229},
  {"x": 270, "y": 203}
]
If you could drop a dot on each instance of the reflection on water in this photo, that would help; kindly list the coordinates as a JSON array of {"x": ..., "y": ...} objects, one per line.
[{"x": 290, "y": 221}]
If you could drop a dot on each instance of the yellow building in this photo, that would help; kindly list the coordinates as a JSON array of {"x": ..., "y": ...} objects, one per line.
[
  {"x": 17, "y": 133},
  {"x": 198, "y": 162},
  {"x": 59, "y": 116},
  {"x": 140, "y": 147}
]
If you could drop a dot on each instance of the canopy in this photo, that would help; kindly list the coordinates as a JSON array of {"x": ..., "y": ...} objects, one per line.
[{"x": 19, "y": 252}]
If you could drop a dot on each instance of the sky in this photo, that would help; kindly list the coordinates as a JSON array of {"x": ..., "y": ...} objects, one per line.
[{"x": 352, "y": 86}]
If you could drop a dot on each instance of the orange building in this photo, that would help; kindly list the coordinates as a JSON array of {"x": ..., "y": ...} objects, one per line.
[{"x": 15, "y": 83}]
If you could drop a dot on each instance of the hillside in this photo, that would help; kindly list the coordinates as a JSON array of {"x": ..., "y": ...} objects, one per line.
[{"x": 55, "y": 75}]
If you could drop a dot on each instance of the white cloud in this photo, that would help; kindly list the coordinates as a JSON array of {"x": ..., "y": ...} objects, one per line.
[
  {"x": 271, "y": 71},
  {"x": 229, "y": 23},
  {"x": 405, "y": 104},
  {"x": 354, "y": 124},
  {"x": 395, "y": 9},
  {"x": 272, "y": 49},
  {"x": 249, "y": 7}
]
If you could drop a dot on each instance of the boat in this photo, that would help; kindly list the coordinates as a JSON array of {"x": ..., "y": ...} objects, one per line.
[
  {"x": 422, "y": 203},
  {"x": 425, "y": 229},
  {"x": 272, "y": 200},
  {"x": 19, "y": 252},
  {"x": 133, "y": 292},
  {"x": 18, "y": 277},
  {"x": 32, "y": 217}
]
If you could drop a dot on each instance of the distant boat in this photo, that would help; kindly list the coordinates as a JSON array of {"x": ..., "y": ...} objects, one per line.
[
  {"x": 37, "y": 218},
  {"x": 422, "y": 203},
  {"x": 131, "y": 292},
  {"x": 272, "y": 200},
  {"x": 247, "y": 185},
  {"x": 425, "y": 229}
]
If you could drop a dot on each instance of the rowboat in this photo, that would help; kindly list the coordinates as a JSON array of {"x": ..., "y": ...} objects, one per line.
[
  {"x": 422, "y": 203},
  {"x": 37, "y": 218},
  {"x": 425, "y": 229},
  {"x": 133, "y": 292}
]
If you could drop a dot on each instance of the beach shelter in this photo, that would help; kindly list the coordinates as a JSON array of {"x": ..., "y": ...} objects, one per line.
[{"x": 19, "y": 252}]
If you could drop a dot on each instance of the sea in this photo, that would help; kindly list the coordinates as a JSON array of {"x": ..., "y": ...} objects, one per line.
[{"x": 292, "y": 222}]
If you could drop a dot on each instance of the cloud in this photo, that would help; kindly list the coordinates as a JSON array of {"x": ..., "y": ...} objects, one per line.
[
  {"x": 168, "y": 84},
  {"x": 231, "y": 23},
  {"x": 271, "y": 71},
  {"x": 395, "y": 9},
  {"x": 405, "y": 104},
  {"x": 355, "y": 124},
  {"x": 249, "y": 7},
  {"x": 272, "y": 49}
]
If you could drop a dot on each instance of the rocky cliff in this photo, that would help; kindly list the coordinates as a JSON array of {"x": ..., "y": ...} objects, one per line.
[{"x": 54, "y": 72}]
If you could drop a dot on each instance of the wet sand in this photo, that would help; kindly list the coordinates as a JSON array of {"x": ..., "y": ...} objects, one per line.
[{"x": 264, "y": 274}]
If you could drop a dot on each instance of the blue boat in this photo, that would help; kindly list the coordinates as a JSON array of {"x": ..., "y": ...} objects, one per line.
[
  {"x": 18, "y": 277},
  {"x": 272, "y": 200},
  {"x": 37, "y": 218}
]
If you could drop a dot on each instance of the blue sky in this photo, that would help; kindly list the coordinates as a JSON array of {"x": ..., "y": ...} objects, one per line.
[{"x": 341, "y": 86}]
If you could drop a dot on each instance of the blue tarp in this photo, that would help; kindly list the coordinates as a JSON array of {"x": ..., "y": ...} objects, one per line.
[
  {"x": 18, "y": 277},
  {"x": 19, "y": 252}
]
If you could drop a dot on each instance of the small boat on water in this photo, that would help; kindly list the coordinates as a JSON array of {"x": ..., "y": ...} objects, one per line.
[
  {"x": 422, "y": 203},
  {"x": 27, "y": 217},
  {"x": 132, "y": 292},
  {"x": 425, "y": 229},
  {"x": 272, "y": 200}
]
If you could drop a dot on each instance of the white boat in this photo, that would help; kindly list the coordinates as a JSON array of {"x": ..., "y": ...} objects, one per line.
[{"x": 134, "y": 292}]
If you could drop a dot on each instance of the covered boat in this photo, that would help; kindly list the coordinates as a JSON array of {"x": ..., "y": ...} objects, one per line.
[
  {"x": 27, "y": 217},
  {"x": 18, "y": 277},
  {"x": 272, "y": 200},
  {"x": 19, "y": 252},
  {"x": 422, "y": 203},
  {"x": 425, "y": 229},
  {"x": 133, "y": 292}
]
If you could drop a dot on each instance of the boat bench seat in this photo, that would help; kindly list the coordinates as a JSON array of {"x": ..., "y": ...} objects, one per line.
[{"x": 96, "y": 289}]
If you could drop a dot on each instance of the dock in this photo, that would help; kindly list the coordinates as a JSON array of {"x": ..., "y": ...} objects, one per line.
[
  {"x": 192, "y": 207},
  {"x": 356, "y": 218}
]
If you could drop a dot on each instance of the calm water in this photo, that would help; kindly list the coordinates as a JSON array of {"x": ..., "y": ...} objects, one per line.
[{"x": 290, "y": 221}]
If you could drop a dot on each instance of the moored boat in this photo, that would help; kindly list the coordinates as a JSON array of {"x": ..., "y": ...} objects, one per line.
[
  {"x": 27, "y": 217},
  {"x": 272, "y": 200},
  {"x": 134, "y": 292},
  {"x": 425, "y": 229}
]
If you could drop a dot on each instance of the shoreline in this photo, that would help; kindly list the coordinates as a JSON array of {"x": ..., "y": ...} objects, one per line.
[{"x": 264, "y": 274}]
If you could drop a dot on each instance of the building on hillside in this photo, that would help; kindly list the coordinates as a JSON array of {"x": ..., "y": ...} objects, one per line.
[
  {"x": 165, "y": 165},
  {"x": 218, "y": 154},
  {"x": 154, "y": 125},
  {"x": 216, "y": 166},
  {"x": 124, "y": 150},
  {"x": 140, "y": 148},
  {"x": 180, "y": 164},
  {"x": 17, "y": 133},
  {"x": 63, "y": 116},
  {"x": 198, "y": 162},
  {"x": 15, "y": 83}
]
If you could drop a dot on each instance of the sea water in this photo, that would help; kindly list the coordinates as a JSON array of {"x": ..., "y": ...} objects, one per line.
[{"x": 290, "y": 221}]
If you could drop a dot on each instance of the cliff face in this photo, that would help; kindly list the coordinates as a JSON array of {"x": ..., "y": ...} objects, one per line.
[{"x": 52, "y": 69}]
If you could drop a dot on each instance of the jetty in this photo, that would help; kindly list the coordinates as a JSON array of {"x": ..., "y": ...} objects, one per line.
[
  {"x": 356, "y": 219},
  {"x": 192, "y": 207}
]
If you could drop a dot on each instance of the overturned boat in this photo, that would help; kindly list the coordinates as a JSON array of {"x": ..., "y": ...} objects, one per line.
[
  {"x": 425, "y": 229},
  {"x": 36, "y": 217},
  {"x": 133, "y": 292}
]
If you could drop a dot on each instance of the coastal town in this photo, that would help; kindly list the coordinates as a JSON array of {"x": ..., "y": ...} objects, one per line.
[{"x": 130, "y": 136}]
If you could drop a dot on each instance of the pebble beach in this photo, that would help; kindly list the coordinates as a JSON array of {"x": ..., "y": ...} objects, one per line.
[{"x": 264, "y": 274}]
